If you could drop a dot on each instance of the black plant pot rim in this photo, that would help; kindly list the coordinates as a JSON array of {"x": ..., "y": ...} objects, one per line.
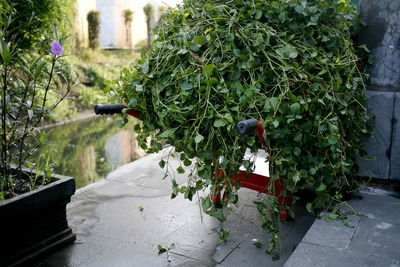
[{"x": 61, "y": 187}]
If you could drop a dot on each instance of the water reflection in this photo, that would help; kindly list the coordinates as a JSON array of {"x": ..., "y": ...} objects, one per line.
[
  {"x": 90, "y": 149},
  {"x": 122, "y": 148}
]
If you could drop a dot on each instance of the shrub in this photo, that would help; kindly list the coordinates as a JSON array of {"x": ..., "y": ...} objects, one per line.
[
  {"x": 148, "y": 10},
  {"x": 26, "y": 90},
  {"x": 93, "y": 18},
  {"x": 34, "y": 19},
  {"x": 290, "y": 64},
  {"x": 128, "y": 17}
]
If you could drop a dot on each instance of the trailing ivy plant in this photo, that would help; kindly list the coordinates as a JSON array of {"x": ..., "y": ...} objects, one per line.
[{"x": 291, "y": 64}]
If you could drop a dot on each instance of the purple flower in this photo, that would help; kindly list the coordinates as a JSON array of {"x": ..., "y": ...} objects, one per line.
[{"x": 56, "y": 48}]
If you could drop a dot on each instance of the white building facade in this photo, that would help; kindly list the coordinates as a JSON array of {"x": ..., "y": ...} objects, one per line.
[{"x": 112, "y": 22}]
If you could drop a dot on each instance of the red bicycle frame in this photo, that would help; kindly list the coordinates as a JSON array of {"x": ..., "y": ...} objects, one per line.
[{"x": 254, "y": 181}]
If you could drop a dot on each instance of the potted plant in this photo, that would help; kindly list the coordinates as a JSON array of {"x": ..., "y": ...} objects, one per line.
[
  {"x": 290, "y": 64},
  {"x": 32, "y": 199}
]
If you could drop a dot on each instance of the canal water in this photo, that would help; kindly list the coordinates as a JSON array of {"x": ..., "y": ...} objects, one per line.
[{"x": 88, "y": 150}]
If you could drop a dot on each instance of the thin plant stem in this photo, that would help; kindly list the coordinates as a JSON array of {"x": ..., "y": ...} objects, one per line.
[
  {"x": 3, "y": 116},
  {"x": 26, "y": 131}
]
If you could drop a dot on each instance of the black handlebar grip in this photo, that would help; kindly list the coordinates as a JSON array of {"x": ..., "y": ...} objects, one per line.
[
  {"x": 246, "y": 126},
  {"x": 107, "y": 109}
]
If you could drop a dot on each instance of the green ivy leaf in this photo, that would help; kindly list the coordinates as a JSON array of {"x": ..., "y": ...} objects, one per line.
[
  {"x": 309, "y": 207},
  {"x": 297, "y": 151},
  {"x": 186, "y": 85},
  {"x": 219, "y": 123},
  {"x": 220, "y": 216},
  {"x": 228, "y": 117},
  {"x": 133, "y": 103},
  {"x": 333, "y": 216},
  {"x": 258, "y": 14},
  {"x": 314, "y": 19},
  {"x": 300, "y": 9},
  {"x": 321, "y": 187},
  {"x": 295, "y": 108},
  {"x": 298, "y": 137},
  {"x": 333, "y": 129},
  {"x": 315, "y": 87},
  {"x": 161, "y": 249},
  {"x": 180, "y": 170},
  {"x": 286, "y": 52},
  {"x": 258, "y": 244},
  {"x": 162, "y": 164},
  {"x": 223, "y": 235},
  {"x": 206, "y": 203},
  {"x": 194, "y": 47},
  {"x": 187, "y": 162},
  {"x": 169, "y": 133},
  {"x": 212, "y": 81},
  {"x": 332, "y": 140},
  {"x": 122, "y": 122},
  {"x": 296, "y": 177},
  {"x": 236, "y": 52},
  {"x": 198, "y": 138},
  {"x": 175, "y": 189},
  {"x": 274, "y": 102},
  {"x": 145, "y": 67},
  {"x": 200, "y": 40},
  {"x": 208, "y": 70},
  {"x": 370, "y": 59}
]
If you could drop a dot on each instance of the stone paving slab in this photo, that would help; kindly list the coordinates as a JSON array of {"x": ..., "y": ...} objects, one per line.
[
  {"x": 377, "y": 237},
  {"x": 328, "y": 234},
  {"x": 373, "y": 241},
  {"x": 381, "y": 105},
  {"x": 307, "y": 255},
  {"x": 378, "y": 204}
]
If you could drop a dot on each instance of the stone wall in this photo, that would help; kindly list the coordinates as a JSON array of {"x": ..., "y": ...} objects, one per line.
[{"x": 382, "y": 37}]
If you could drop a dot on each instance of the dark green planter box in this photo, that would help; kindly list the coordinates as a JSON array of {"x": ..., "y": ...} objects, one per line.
[{"x": 35, "y": 224}]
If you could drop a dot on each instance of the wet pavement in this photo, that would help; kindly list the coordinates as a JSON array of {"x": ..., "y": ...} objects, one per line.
[{"x": 121, "y": 221}]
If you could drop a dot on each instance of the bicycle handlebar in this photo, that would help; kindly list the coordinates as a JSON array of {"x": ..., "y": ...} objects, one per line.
[
  {"x": 243, "y": 127},
  {"x": 246, "y": 126},
  {"x": 107, "y": 109}
]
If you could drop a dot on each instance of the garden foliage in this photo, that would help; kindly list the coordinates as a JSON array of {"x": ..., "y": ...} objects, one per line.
[
  {"x": 33, "y": 19},
  {"x": 148, "y": 10},
  {"x": 291, "y": 64},
  {"x": 32, "y": 86}
]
